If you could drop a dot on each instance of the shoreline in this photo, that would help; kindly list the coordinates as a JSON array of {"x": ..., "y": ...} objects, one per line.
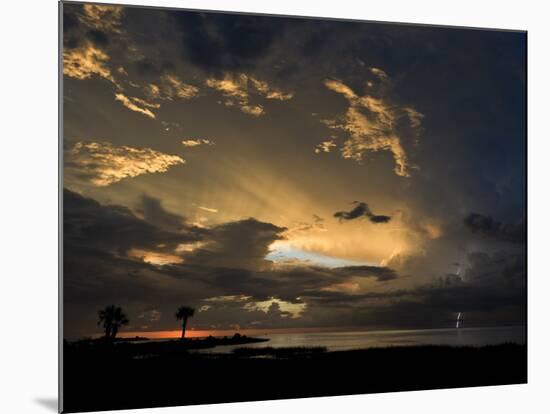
[{"x": 175, "y": 334}]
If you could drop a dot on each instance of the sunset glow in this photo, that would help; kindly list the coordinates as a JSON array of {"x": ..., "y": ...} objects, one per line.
[
  {"x": 346, "y": 188},
  {"x": 256, "y": 206}
]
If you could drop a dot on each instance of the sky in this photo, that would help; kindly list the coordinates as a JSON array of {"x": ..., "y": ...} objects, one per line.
[{"x": 290, "y": 173}]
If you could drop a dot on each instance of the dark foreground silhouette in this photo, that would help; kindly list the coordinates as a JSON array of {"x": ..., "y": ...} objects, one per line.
[
  {"x": 108, "y": 376},
  {"x": 139, "y": 345}
]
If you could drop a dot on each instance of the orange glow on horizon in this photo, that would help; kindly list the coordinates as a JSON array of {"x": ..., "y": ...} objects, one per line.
[{"x": 197, "y": 333}]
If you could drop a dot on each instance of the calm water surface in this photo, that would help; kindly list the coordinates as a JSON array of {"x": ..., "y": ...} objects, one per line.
[{"x": 339, "y": 341}]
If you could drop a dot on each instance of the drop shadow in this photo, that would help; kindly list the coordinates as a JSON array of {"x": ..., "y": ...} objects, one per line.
[{"x": 49, "y": 403}]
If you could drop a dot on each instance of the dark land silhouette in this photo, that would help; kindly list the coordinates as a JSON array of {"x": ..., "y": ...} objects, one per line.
[{"x": 109, "y": 375}]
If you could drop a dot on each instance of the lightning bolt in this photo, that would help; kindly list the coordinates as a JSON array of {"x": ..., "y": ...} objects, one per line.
[{"x": 458, "y": 320}]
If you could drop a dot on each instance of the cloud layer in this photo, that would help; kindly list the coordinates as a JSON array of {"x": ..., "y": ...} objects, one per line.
[
  {"x": 374, "y": 124},
  {"x": 103, "y": 164},
  {"x": 237, "y": 90},
  {"x": 256, "y": 230}
]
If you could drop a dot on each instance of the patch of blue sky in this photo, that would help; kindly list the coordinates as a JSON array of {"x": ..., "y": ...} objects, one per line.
[{"x": 290, "y": 253}]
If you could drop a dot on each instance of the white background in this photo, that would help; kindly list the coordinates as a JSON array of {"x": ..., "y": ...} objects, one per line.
[{"x": 28, "y": 205}]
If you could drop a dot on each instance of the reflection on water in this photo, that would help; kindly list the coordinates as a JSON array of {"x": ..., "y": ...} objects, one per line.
[{"x": 339, "y": 341}]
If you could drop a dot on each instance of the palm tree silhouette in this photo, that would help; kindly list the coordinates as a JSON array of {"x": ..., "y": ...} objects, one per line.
[
  {"x": 183, "y": 313},
  {"x": 112, "y": 319}
]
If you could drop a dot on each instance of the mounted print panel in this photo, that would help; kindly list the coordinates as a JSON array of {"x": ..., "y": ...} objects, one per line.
[{"x": 264, "y": 207}]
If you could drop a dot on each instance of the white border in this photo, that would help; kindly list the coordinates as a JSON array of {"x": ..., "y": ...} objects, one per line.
[{"x": 28, "y": 366}]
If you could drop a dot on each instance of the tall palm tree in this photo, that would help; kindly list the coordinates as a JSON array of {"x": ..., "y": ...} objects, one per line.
[
  {"x": 112, "y": 319},
  {"x": 183, "y": 313},
  {"x": 105, "y": 317}
]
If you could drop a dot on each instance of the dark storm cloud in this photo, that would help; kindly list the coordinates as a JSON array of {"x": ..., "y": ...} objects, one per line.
[
  {"x": 231, "y": 266},
  {"x": 72, "y": 28},
  {"x": 70, "y": 20},
  {"x": 98, "y": 37},
  {"x": 218, "y": 42},
  {"x": 493, "y": 229},
  {"x": 93, "y": 279},
  {"x": 379, "y": 218},
  {"x": 154, "y": 213},
  {"x": 114, "y": 229},
  {"x": 491, "y": 292},
  {"x": 381, "y": 273},
  {"x": 361, "y": 210},
  {"x": 493, "y": 289},
  {"x": 77, "y": 30},
  {"x": 238, "y": 244},
  {"x": 331, "y": 298},
  {"x": 231, "y": 261},
  {"x": 97, "y": 269},
  {"x": 292, "y": 284},
  {"x": 481, "y": 160}
]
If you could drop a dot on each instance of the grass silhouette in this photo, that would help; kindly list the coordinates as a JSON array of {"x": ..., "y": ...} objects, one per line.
[{"x": 123, "y": 375}]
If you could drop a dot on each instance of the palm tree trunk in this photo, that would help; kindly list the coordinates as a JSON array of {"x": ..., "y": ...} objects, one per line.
[{"x": 183, "y": 326}]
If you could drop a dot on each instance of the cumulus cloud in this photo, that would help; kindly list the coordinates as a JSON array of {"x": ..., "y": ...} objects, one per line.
[
  {"x": 374, "y": 124},
  {"x": 152, "y": 91},
  {"x": 102, "y": 163},
  {"x": 173, "y": 87},
  {"x": 254, "y": 110},
  {"x": 237, "y": 90},
  {"x": 379, "y": 73},
  {"x": 86, "y": 36},
  {"x": 103, "y": 17},
  {"x": 268, "y": 91},
  {"x": 169, "y": 87},
  {"x": 361, "y": 209},
  {"x": 278, "y": 307},
  {"x": 272, "y": 305},
  {"x": 144, "y": 103},
  {"x": 195, "y": 142},
  {"x": 88, "y": 51},
  {"x": 233, "y": 87},
  {"x": 325, "y": 146},
  {"x": 85, "y": 61},
  {"x": 228, "y": 298},
  {"x": 133, "y": 105}
]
